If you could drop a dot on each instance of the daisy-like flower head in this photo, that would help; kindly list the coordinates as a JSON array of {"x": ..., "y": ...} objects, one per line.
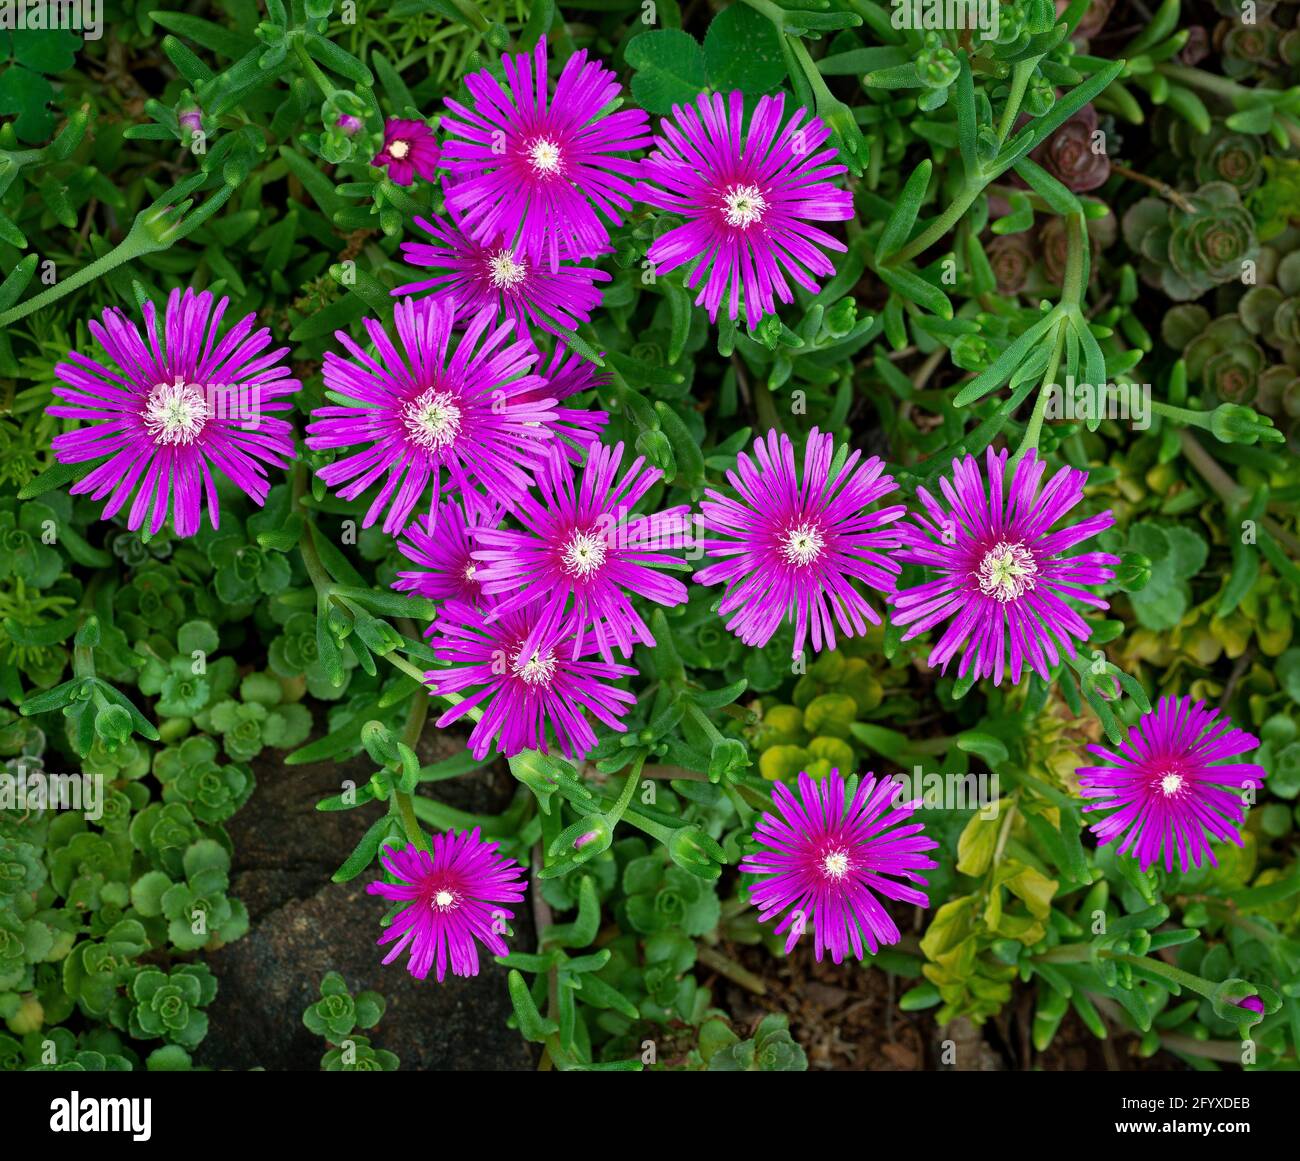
[
  {"x": 418, "y": 409},
  {"x": 1170, "y": 787},
  {"x": 453, "y": 900},
  {"x": 496, "y": 279},
  {"x": 1002, "y": 581},
  {"x": 529, "y": 679},
  {"x": 410, "y": 149},
  {"x": 749, "y": 199},
  {"x": 446, "y": 569},
  {"x": 580, "y": 542},
  {"x": 792, "y": 546},
  {"x": 825, "y": 859},
  {"x": 540, "y": 171},
  {"x": 169, "y": 406}
]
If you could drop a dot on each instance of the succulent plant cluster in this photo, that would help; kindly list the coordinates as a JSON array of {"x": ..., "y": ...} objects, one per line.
[{"x": 912, "y": 554}]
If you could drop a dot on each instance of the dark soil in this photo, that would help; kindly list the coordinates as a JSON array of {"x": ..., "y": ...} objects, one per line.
[
  {"x": 846, "y": 1017},
  {"x": 303, "y": 925}
]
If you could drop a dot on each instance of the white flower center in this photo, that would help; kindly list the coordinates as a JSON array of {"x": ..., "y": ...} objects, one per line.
[
  {"x": 470, "y": 569},
  {"x": 504, "y": 271},
  {"x": 836, "y": 864},
  {"x": 745, "y": 205},
  {"x": 1007, "y": 572},
  {"x": 443, "y": 900},
  {"x": 537, "y": 670},
  {"x": 1171, "y": 784},
  {"x": 544, "y": 156},
  {"x": 399, "y": 149},
  {"x": 433, "y": 419},
  {"x": 175, "y": 413},
  {"x": 802, "y": 545},
  {"x": 584, "y": 554}
]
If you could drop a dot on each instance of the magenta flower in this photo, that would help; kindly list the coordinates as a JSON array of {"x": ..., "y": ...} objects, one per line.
[
  {"x": 825, "y": 860},
  {"x": 410, "y": 149},
  {"x": 579, "y": 542},
  {"x": 453, "y": 897},
  {"x": 492, "y": 278},
  {"x": 1169, "y": 786},
  {"x": 794, "y": 549},
  {"x": 1002, "y": 581},
  {"x": 421, "y": 409},
  {"x": 169, "y": 407},
  {"x": 529, "y": 678},
  {"x": 748, "y": 200},
  {"x": 542, "y": 174},
  {"x": 446, "y": 570},
  {"x": 567, "y": 373}
]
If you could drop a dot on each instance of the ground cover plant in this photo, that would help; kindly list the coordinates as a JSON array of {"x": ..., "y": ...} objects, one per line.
[{"x": 776, "y": 521}]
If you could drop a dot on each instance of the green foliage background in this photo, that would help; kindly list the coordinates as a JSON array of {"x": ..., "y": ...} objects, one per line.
[{"x": 974, "y": 276}]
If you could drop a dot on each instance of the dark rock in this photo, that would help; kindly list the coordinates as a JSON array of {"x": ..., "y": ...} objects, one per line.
[{"x": 303, "y": 925}]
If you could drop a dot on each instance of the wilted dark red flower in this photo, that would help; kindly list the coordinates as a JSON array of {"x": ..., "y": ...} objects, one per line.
[{"x": 1074, "y": 154}]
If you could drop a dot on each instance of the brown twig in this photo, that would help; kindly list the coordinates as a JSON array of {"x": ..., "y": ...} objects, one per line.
[{"x": 1162, "y": 188}]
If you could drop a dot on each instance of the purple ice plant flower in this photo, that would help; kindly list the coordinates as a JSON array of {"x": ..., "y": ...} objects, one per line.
[
  {"x": 529, "y": 678},
  {"x": 494, "y": 278},
  {"x": 410, "y": 150},
  {"x": 800, "y": 548},
  {"x": 825, "y": 859},
  {"x": 166, "y": 408},
  {"x": 451, "y": 899},
  {"x": 1170, "y": 788},
  {"x": 1002, "y": 582},
  {"x": 446, "y": 571},
  {"x": 190, "y": 120},
  {"x": 566, "y": 373},
  {"x": 350, "y": 126},
  {"x": 579, "y": 541},
  {"x": 542, "y": 173},
  {"x": 418, "y": 410},
  {"x": 749, "y": 198}
]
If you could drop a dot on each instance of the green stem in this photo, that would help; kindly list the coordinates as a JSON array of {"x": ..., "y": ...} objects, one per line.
[
  {"x": 1034, "y": 428},
  {"x": 1082, "y": 953},
  {"x": 154, "y": 229},
  {"x": 1019, "y": 81},
  {"x": 1182, "y": 415},
  {"x": 311, "y": 68},
  {"x": 940, "y": 226},
  {"x": 1072, "y": 292},
  {"x": 415, "y": 718},
  {"x": 320, "y": 579},
  {"x": 975, "y": 184},
  {"x": 129, "y": 248},
  {"x": 1174, "y": 975},
  {"x": 713, "y": 959},
  {"x": 1229, "y": 491},
  {"x": 715, "y": 735},
  {"x": 629, "y": 788},
  {"x": 410, "y": 824}
]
